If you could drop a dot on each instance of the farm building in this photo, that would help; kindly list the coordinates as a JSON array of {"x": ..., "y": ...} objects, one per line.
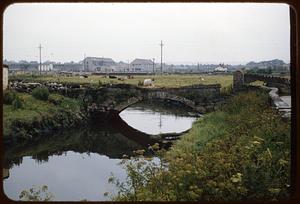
[{"x": 142, "y": 65}]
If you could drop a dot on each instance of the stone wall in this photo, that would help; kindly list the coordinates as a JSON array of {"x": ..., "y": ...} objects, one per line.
[{"x": 240, "y": 78}]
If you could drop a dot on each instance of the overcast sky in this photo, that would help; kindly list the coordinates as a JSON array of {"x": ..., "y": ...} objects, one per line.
[{"x": 191, "y": 32}]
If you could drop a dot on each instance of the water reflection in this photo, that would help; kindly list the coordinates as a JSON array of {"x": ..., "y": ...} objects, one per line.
[
  {"x": 152, "y": 118},
  {"x": 70, "y": 176},
  {"x": 75, "y": 164}
]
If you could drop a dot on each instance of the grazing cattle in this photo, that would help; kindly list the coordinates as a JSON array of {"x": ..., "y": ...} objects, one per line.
[{"x": 148, "y": 82}]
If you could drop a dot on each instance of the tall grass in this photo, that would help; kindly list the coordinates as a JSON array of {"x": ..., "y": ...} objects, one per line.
[{"x": 241, "y": 152}]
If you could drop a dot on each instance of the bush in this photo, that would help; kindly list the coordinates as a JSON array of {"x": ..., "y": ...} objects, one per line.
[
  {"x": 140, "y": 83},
  {"x": 40, "y": 93},
  {"x": 226, "y": 90},
  {"x": 17, "y": 103},
  {"x": 9, "y": 97}
]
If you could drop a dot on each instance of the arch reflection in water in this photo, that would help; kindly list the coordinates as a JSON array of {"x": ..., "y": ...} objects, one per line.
[
  {"x": 156, "y": 118},
  {"x": 74, "y": 164}
]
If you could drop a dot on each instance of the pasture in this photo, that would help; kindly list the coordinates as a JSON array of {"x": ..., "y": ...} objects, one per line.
[{"x": 160, "y": 81}]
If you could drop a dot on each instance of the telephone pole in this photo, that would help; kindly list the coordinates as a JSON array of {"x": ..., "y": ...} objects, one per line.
[
  {"x": 161, "y": 50},
  {"x": 153, "y": 66},
  {"x": 40, "y": 48},
  {"x": 83, "y": 62}
]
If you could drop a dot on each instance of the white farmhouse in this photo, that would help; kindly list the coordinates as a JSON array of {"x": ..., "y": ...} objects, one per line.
[
  {"x": 5, "y": 76},
  {"x": 142, "y": 65}
]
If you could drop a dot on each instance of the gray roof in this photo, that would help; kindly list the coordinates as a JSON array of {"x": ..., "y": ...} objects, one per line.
[
  {"x": 141, "y": 61},
  {"x": 100, "y": 59}
]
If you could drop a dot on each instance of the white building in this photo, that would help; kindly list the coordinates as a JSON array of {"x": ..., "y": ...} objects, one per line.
[
  {"x": 142, "y": 65},
  {"x": 46, "y": 67},
  {"x": 221, "y": 68},
  {"x": 92, "y": 64},
  {"x": 5, "y": 76}
]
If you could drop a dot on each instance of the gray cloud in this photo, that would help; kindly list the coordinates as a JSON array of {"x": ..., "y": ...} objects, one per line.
[{"x": 192, "y": 32}]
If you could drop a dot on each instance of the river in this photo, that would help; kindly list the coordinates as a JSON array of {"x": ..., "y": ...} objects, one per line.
[{"x": 76, "y": 164}]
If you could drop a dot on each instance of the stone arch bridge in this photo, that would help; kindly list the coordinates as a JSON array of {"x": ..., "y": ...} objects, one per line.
[
  {"x": 110, "y": 100},
  {"x": 113, "y": 98}
]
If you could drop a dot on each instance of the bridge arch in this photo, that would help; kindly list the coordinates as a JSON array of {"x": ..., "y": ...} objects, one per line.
[{"x": 156, "y": 95}]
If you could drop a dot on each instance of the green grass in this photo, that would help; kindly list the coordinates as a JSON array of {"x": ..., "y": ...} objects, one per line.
[
  {"x": 35, "y": 110},
  {"x": 239, "y": 153},
  {"x": 168, "y": 81}
]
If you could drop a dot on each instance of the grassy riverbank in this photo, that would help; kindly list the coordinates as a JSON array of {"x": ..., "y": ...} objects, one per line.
[
  {"x": 168, "y": 81},
  {"x": 38, "y": 115},
  {"x": 241, "y": 152}
]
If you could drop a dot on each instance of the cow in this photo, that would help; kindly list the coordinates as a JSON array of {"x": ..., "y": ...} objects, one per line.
[{"x": 148, "y": 82}]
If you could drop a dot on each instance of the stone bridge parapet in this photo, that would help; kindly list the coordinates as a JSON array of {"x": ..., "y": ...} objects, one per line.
[
  {"x": 115, "y": 98},
  {"x": 241, "y": 78},
  {"x": 201, "y": 99}
]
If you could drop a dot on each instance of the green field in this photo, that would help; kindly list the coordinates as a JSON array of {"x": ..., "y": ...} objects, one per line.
[{"x": 168, "y": 81}]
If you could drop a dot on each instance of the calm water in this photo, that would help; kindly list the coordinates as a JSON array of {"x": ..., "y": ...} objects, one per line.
[
  {"x": 154, "y": 122},
  {"x": 76, "y": 164}
]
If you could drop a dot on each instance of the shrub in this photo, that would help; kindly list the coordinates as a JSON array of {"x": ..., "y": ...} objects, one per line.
[
  {"x": 9, "y": 97},
  {"x": 226, "y": 90},
  {"x": 40, "y": 93},
  {"x": 56, "y": 99},
  {"x": 140, "y": 83},
  {"x": 17, "y": 103}
]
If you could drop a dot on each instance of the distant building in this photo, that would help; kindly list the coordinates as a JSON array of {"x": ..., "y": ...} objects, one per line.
[
  {"x": 141, "y": 65},
  {"x": 68, "y": 67},
  {"x": 221, "y": 68},
  {"x": 46, "y": 67},
  {"x": 92, "y": 64},
  {"x": 5, "y": 76},
  {"x": 17, "y": 66}
]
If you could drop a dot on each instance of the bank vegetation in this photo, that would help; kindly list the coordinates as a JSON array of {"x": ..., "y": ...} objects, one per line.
[
  {"x": 239, "y": 153},
  {"x": 26, "y": 116}
]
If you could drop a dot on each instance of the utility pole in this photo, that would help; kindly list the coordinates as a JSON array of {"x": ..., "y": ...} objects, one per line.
[
  {"x": 128, "y": 66},
  {"x": 40, "y": 48},
  {"x": 83, "y": 62},
  {"x": 198, "y": 67},
  {"x": 153, "y": 65},
  {"x": 161, "y": 50}
]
